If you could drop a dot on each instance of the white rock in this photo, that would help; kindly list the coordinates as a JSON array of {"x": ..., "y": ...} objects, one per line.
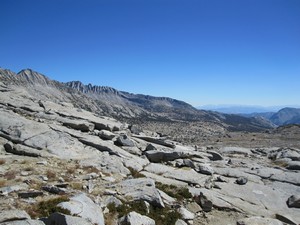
[
  {"x": 134, "y": 218},
  {"x": 83, "y": 206}
]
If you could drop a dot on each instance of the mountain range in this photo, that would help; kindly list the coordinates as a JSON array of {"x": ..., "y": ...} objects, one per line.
[{"x": 107, "y": 101}]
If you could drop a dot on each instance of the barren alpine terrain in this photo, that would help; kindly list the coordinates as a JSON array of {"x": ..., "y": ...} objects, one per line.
[{"x": 63, "y": 161}]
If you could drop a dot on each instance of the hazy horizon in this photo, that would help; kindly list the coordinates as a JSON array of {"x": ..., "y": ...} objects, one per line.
[{"x": 201, "y": 52}]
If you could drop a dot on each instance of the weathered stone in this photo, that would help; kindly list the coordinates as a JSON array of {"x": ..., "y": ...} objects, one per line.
[
  {"x": 205, "y": 203},
  {"x": 24, "y": 222},
  {"x": 15, "y": 214},
  {"x": 156, "y": 140},
  {"x": 81, "y": 125},
  {"x": 294, "y": 201},
  {"x": 215, "y": 156},
  {"x": 163, "y": 155},
  {"x": 293, "y": 165},
  {"x": 124, "y": 140},
  {"x": 134, "y": 218},
  {"x": 83, "y": 206},
  {"x": 61, "y": 219},
  {"x": 141, "y": 189},
  {"x": 204, "y": 169},
  {"x": 106, "y": 135},
  {"x": 9, "y": 189},
  {"x": 54, "y": 190},
  {"x": 193, "y": 207},
  {"x": 135, "y": 129},
  {"x": 21, "y": 150},
  {"x": 30, "y": 194},
  {"x": 241, "y": 180},
  {"x": 186, "y": 214},
  {"x": 259, "y": 220},
  {"x": 150, "y": 147},
  {"x": 180, "y": 222}
]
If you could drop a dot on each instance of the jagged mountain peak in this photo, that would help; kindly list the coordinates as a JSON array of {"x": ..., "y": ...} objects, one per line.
[
  {"x": 33, "y": 77},
  {"x": 90, "y": 88}
]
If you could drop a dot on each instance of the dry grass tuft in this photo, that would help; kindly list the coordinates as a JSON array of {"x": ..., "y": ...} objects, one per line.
[{"x": 10, "y": 175}]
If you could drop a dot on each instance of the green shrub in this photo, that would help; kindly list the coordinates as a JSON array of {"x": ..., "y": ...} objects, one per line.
[
  {"x": 179, "y": 193},
  {"x": 162, "y": 216},
  {"x": 46, "y": 208}
]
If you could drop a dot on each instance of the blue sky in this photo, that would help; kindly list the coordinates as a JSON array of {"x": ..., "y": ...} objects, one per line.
[{"x": 200, "y": 51}]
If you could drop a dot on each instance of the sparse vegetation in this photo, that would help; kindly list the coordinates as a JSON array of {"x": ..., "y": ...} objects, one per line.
[
  {"x": 46, "y": 208},
  {"x": 2, "y": 183},
  {"x": 2, "y": 161},
  {"x": 10, "y": 175},
  {"x": 162, "y": 216},
  {"x": 135, "y": 173},
  {"x": 91, "y": 169},
  {"x": 179, "y": 193},
  {"x": 50, "y": 174}
]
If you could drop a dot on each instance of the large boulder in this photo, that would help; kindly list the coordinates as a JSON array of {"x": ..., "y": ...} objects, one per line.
[
  {"x": 14, "y": 214},
  {"x": 62, "y": 219},
  {"x": 124, "y": 140},
  {"x": 134, "y": 218},
  {"x": 294, "y": 201},
  {"x": 82, "y": 206},
  {"x": 158, "y": 156},
  {"x": 141, "y": 189}
]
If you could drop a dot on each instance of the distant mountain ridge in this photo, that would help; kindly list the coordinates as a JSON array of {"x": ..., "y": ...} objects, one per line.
[{"x": 108, "y": 101}]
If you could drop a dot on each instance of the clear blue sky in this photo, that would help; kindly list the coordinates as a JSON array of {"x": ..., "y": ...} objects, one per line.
[{"x": 200, "y": 51}]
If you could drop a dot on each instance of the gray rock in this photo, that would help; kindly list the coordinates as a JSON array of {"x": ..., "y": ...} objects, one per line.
[
  {"x": 186, "y": 214},
  {"x": 24, "y": 222},
  {"x": 150, "y": 147},
  {"x": 259, "y": 220},
  {"x": 30, "y": 194},
  {"x": 62, "y": 219},
  {"x": 106, "y": 135},
  {"x": 293, "y": 165},
  {"x": 134, "y": 218},
  {"x": 9, "y": 189},
  {"x": 204, "y": 169},
  {"x": 156, "y": 140},
  {"x": 135, "y": 129},
  {"x": 21, "y": 150},
  {"x": 83, "y": 206},
  {"x": 215, "y": 156},
  {"x": 54, "y": 190},
  {"x": 106, "y": 200},
  {"x": 235, "y": 150},
  {"x": 188, "y": 176},
  {"x": 157, "y": 156},
  {"x": 294, "y": 201},
  {"x": 124, "y": 140},
  {"x": 204, "y": 202},
  {"x": 15, "y": 214},
  {"x": 81, "y": 125},
  {"x": 193, "y": 207},
  {"x": 293, "y": 154},
  {"x": 141, "y": 189},
  {"x": 180, "y": 222},
  {"x": 241, "y": 180}
]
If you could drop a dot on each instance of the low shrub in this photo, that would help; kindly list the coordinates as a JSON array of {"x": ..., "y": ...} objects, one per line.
[{"x": 46, "y": 208}]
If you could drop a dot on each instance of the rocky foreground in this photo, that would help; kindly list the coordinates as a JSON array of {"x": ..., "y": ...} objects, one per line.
[{"x": 64, "y": 165}]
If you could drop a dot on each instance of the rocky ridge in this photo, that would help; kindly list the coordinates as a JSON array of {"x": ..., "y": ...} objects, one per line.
[
  {"x": 124, "y": 106},
  {"x": 60, "y": 164}
]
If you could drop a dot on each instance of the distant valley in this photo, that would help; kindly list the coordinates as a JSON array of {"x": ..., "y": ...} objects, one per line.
[{"x": 277, "y": 115}]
